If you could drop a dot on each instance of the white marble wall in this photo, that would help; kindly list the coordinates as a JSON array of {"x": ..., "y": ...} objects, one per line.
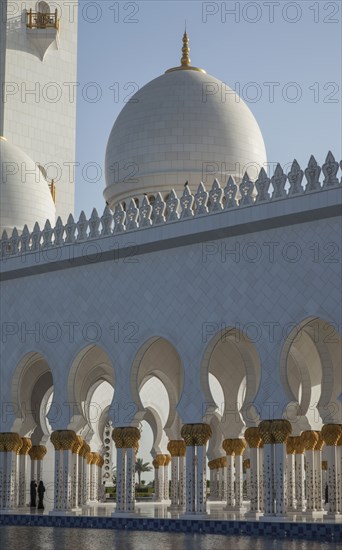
[{"x": 43, "y": 123}]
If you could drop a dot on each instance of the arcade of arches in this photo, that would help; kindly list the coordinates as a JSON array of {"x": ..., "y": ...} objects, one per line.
[{"x": 257, "y": 465}]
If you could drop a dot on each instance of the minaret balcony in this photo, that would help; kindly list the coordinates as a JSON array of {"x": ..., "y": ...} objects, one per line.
[
  {"x": 38, "y": 20},
  {"x": 43, "y": 30}
]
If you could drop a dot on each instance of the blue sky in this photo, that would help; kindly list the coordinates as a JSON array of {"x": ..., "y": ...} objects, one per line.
[{"x": 290, "y": 48}]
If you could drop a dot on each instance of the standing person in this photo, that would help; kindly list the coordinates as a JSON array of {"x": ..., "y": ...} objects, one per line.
[
  {"x": 41, "y": 491},
  {"x": 33, "y": 493}
]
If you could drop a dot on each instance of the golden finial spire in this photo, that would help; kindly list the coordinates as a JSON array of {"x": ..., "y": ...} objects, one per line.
[{"x": 185, "y": 61}]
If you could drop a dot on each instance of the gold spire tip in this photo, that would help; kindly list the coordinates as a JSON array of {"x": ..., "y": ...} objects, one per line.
[{"x": 185, "y": 60}]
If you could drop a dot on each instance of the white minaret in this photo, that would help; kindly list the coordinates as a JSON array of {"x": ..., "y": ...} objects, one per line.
[{"x": 38, "y": 53}]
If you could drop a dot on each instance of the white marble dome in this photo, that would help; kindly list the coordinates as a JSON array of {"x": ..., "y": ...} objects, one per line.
[
  {"x": 24, "y": 192},
  {"x": 183, "y": 126}
]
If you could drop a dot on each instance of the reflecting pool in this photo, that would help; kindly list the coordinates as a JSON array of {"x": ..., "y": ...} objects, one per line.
[{"x": 52, "y": 538}]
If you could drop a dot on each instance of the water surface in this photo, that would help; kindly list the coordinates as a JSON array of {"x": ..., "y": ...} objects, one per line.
[{"x": 57, "y": 538}]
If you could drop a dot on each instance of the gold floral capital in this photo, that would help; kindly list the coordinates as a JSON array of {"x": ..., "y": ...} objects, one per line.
[
  {"x": 63, "y": 440},
  {"x": 228, "y": 447},
  {"x": 253, "y": 438},
  {"x": 160, "y": 459},
  {"x": 265, "y": 431},
  {"x": 78, "y": 444},
  {"x": 331, "y": 433},
  {"x": 320, "y": 442},
  {"x": 281, "y": 429},
  {"x": 239, "y": 446},
  {"x": 167, "y": 460},
  {"x": 10, "y": 442},
  {"x": 84, "y": 449},
  {"x": 247, "y": 463},
  {"x": 223, "y": 462},
  {"x": 176, "y": 447},
  {"x": 196, "y": 434},
  {"x": 291, "y": 445},
  {"x": 37, "y": 452},
  {"x": 324, "y": 465},
  {"x": 310, "y": 439},
  {"x": 92, "y": 458},
  {"x": 26, "y": 446},
  {"x": 298, "y": 444},
  {"x": 126, "y": 438}
]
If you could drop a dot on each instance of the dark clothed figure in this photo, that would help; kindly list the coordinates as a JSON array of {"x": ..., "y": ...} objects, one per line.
[
  {"x": 33, "y": 494},
  {"x": 41, "y": 491},
  {"x": 326, "y": 494}
]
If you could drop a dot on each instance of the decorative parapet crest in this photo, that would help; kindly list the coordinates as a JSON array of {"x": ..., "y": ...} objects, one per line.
[{"x": 189, "y": 206}]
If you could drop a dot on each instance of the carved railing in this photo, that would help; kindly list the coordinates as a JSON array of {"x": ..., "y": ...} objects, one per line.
[
  {"x": 189, "y": 206},
  {"x": 39, "y": 20}
]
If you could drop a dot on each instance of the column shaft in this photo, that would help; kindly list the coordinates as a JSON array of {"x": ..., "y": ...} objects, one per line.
[
  {"x": 201, "y": 500},
  {"x": 190, "y": 479},
  {"x": 130, "y": 481},
  {"x": 280, "y": 479},
  {"x": 268, "y": 475}
]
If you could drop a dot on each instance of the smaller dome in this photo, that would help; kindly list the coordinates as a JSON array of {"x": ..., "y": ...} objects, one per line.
[{"x": 25, "y": 197}]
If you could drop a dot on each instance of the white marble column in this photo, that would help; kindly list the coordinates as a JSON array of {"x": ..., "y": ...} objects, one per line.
[
  {"x": 201, "y": 489},
  {"x": 10, "y": 479},
  {"x": 211, "y": 479},
  {"x": 196, "y": 437},
  {"x": 130, "y": 480},
  {"x": 85, "y": 449},
  {"x": 11, "y": 444},
  {"x": 37, "y": 454},
  {"x": 239, "y": 448},
  {"x": 23, "y": 496},
  {"x": 166, "y": 477},
  {"x": 247, "y": 468},
  {"x": 268, "y": 467},
  {"x": 174, "y": 481},
  {"x": 310, "y": 439},
  {"x": 160, "y": 474},
  {"x": 127, "y": 442},
  {"x": 280, "y": 478},
  {"x": 74, "y": 480},
  {"x": 181, "y": 490},
  {"x": 339, "y": 472},
  {"x": 254, "y": 441},
  {"x": 268, "y": 474},
  {"x": 156, "y": 480},
  {"x": 81, "y": 473},
  {"x": 290, "y": 467},
  {"x": 299, "y": 476},
  {"x": 274, "y": 434},
  {"x": 331, "y": 434},
  {"x": 318, "y": 475},
  {"x": 190, "y": 470},
  {"x": 63, "y": 441},
  {"x": 2, "y": 478},
  {"x": 230, "y": 477},
  {"x": 99, "y": 488},
  {"x": 120, "y": 479},
  {"x": 159, "y": 483},
  {"x": 222, "y": 492}
]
